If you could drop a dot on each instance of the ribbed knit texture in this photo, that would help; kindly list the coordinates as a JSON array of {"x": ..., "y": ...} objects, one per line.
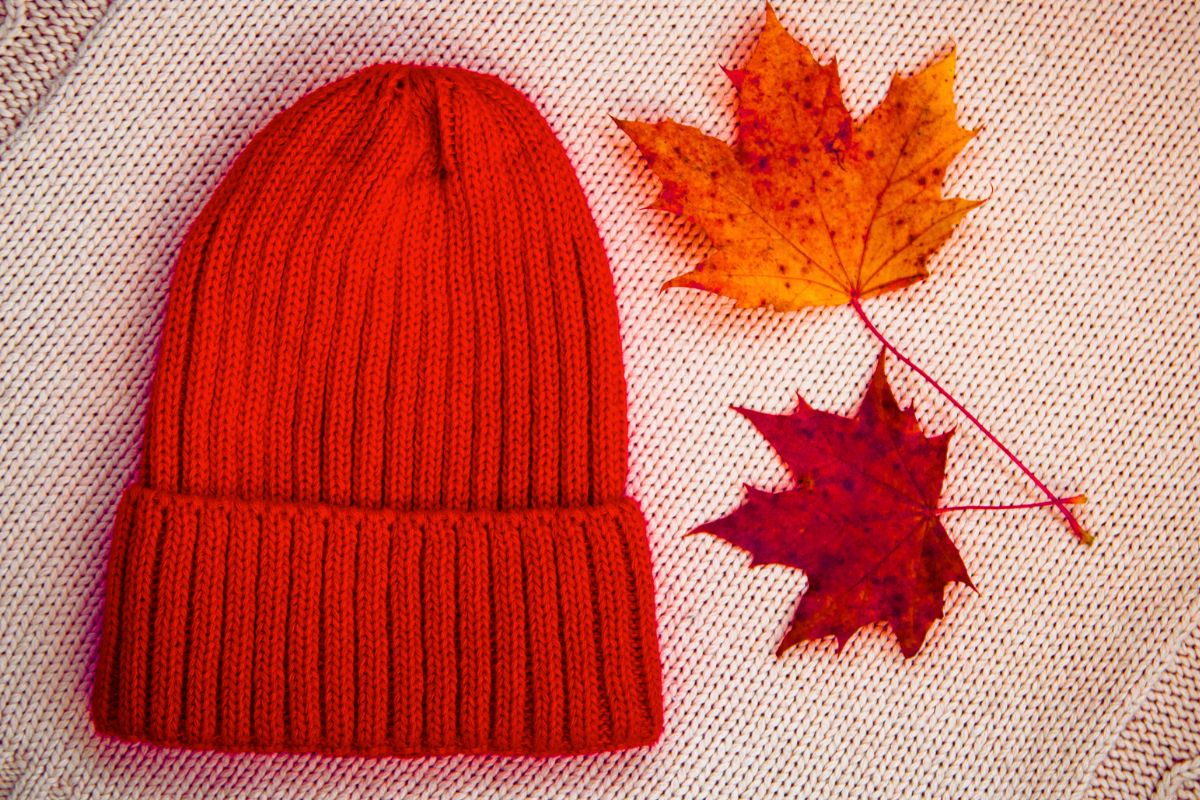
[{"x": 381, "y": 502}]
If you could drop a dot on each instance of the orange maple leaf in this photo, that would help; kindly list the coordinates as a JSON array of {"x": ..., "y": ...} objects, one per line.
[{"x": 808, "y": 208}]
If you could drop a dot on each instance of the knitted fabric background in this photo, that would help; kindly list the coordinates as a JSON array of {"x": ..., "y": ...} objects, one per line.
[
  {"x": 38, "y": 41},
  {"x": 1063, "y": 312}
]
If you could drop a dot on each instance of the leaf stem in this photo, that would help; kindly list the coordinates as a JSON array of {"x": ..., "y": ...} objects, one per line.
[
  {"x": 1054, "y": 500},
  {"x": 1008, "y": 506}
]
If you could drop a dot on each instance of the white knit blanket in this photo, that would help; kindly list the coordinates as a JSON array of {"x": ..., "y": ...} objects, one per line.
[{"x": 1064, "y": 312}]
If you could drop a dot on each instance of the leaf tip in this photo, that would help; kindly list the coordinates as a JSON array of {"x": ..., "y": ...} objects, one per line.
[
  {"x": 772, "y": 19},
  {"x": 745, "y": 413},
  {"x": 635, "y": 129},
  {"x": 789, "y": 640},
  {"x": 623, "y": 124},
  {"x": 879, "y": 381},
  {"x": 949, "y": 61},
  {"x": 802, "y": 404},
  {"x": 736, "y": 76},
  {"x": 678, "y": 282}
]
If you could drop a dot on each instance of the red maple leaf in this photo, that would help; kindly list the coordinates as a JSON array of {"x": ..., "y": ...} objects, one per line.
[{"x": 862, "y": 522}]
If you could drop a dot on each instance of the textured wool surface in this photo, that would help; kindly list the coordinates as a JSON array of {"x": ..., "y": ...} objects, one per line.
[
  {"x": 38, "y": 42},
  {"x": 1158, "y": 753},
  {"x": 1063, "y": 312}
]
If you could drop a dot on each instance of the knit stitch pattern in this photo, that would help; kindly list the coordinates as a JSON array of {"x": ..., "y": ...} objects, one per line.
[
  {"x": 381, "y": 508},
  {"x": 39, "y": 40}
]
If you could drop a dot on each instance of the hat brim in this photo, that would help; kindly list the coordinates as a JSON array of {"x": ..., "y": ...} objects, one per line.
[{"x": 281, "y": 627}]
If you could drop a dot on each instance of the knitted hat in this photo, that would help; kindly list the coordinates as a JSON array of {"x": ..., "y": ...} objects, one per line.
[{"x": 380, "y": 508}]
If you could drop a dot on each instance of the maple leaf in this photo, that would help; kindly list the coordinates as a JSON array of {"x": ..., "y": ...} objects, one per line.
[
  {"x": 808, "y": 208},
  {"x": 862, "y": 522}
]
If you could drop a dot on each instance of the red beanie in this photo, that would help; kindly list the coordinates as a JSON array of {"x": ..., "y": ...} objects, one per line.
[{"x": 380, "y": 508}]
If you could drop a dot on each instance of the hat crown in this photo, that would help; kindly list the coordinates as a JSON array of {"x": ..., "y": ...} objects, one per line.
[{"x": 395, "y": 298}]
